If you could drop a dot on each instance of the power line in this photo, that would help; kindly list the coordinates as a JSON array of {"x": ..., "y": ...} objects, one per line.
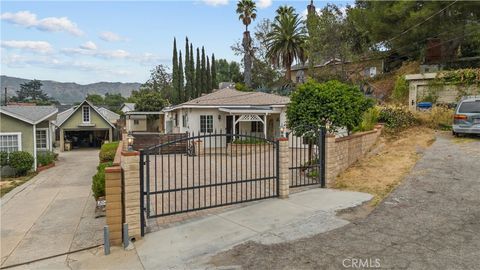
[{"x": 418, "y": 24}]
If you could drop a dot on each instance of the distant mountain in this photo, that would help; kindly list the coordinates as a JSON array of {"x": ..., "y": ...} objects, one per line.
[{"x": 69, "y": 92}]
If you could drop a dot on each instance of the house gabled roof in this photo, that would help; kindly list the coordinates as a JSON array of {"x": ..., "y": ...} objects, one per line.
[
  {"x": 64, "y": 116},
  {"x": 233, "y": 98},
  {"x": 30, "y": 114},
  {"x": 130, "y": 106}
]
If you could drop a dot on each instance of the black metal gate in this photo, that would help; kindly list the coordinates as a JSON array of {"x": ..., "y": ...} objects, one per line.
[
  {"x": 209, "y": 173},
  {"x": 307, "y": 158}
]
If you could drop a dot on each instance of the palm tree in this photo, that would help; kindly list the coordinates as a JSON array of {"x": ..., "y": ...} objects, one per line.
[
  {"x": 246, "y": 10},
  {"x": 285, "y": 10},
  {"x": 286, "y": 41}
]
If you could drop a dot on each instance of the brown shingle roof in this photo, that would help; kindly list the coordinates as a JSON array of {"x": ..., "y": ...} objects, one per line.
[{"x": 231, "y": 97}]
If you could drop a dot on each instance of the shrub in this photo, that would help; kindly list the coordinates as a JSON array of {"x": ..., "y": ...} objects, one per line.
[
  {"x": 3, "y": 159},
  {"x": 45, "y": 158},
  {"x": 107, "y": 152},
  {"x": 439, "y": 117},
  {"x": 98, "y": 180},
  {"x": 333, "y": 104},
  {"x": 397, "y": 118},
  {"x": 21, "y": 161},
  {"x": 369, "y": 120},
  {"x": 400, "y": 90}
]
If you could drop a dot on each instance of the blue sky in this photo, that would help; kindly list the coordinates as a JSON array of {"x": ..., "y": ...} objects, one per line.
[{"x": 94, "y": 41}]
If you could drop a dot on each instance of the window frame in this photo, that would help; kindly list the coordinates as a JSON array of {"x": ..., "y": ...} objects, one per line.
[
  {"x": 46, "y": 138},
  {"x": 83, "y": 114},
  {"x": 204, "y": 123},
  {"x": 184, "y": 120},
  {"x": 19, "y": 138},
  {"x": 136, "y": 121}
]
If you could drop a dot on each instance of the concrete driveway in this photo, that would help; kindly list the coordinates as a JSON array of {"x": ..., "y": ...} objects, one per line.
[{"x": 53, "y": 213}]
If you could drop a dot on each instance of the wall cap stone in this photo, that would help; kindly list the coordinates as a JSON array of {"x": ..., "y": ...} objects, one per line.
[
  {"x": 113, "y": 169},
  {"x": 130, "y": 153}
]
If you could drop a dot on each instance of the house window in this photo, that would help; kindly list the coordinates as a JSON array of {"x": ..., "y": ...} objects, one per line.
[
  {"x": 42, "y": 140},
  {"x": 86, "y": 114},
  {"x": 257, "y": 126},
  {"x": 10, "y": 142},
  {"x": 184, "y": 120},
  {"x": 136, "y": 122},
  {"x": 206, "y": 123}
]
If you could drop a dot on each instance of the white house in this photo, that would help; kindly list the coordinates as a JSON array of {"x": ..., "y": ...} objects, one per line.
[{"x": 231, "y": 111}]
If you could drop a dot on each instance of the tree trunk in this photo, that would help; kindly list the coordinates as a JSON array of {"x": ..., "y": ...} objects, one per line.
[
  {"x": 247, "y": 58},
  {"x": 288, "y": 74}
]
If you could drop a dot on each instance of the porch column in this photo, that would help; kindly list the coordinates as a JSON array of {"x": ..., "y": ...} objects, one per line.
[
  {"x": 62, "y": 140},
  {"x": 234, "y": 123},
  {"x": 265, "y": 126}
]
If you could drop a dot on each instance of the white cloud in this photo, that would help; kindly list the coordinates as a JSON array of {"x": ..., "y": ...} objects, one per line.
[
  {"x": 215, "y": 2},
  {"x": 107, "y": 54},
  {"x": 264, "y": 3},
  {"x": 111, "y": 37},
  {"x": 28, "y": 45},
  {"x": 49, "y": 24},
  {"x": 89, "y": 45}
]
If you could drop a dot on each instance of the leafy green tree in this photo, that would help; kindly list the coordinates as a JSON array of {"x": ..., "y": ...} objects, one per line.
[
  {"x": 400, "y": 90},
  {"x": 96, "y": 99},
  {"x": 31, "y": 90},
  {"x": 114, "y": 101},
  {"x": 214, "y": 74},
  {"x": 198, "y": 76},
  {"x": 160, "y": 81},
  {"x": 175, "y": 71},
  {"x": 405, "y": 27},
  {"x": 204, "y": 72},
  {"x": 149, "y": 101},
  {"x": 180, "y": 87},
  {"x": 192, "y": 73},
  {"x": 188, "y": 74},
  {"x": 286, "y": 41},
  {"x": 247, "y": 12},
  {"x": 209, "y": 76},
  {"x": 332, "y": 104},
  {"x": 228, "y": 71}
]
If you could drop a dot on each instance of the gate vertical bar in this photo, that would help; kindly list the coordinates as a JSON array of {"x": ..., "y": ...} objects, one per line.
[{"x": 142, "y": 206}]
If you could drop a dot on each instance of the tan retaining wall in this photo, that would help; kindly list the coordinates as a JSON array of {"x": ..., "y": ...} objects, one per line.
[{"x": 343, "y": 152}]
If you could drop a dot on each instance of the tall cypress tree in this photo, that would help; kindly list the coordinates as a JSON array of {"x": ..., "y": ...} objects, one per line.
[
  {"x": 188, "y": 75},
  {"x": 214, "y": 73},
  {"x": 209, "y": 77},
  {"x": 204, "y": 73},
  {"x": 175, "y": 71},
  {"x": 192, "y": 72},
  {"x": 198, "y": 76},
  {"x": 181, "y": 90}
]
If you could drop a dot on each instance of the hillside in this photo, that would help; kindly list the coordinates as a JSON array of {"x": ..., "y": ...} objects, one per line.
[{"x": 68, "y": 92}]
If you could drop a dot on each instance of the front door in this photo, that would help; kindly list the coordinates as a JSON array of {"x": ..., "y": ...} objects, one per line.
[{"x": 229, "y": 127}]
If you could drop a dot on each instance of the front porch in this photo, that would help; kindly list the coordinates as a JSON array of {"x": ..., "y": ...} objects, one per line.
[{"x": 257, "y": 121}]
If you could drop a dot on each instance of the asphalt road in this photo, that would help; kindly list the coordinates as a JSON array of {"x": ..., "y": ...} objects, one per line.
[{"x": 431, "y": 221}]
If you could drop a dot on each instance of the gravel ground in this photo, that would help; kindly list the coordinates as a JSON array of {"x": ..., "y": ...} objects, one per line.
[{"x": 431, "y": 221}]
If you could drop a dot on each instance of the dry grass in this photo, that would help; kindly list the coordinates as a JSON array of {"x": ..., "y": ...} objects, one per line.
[
  {"x": 7, "y": 184},
  {"x": 378, "y": 174}
]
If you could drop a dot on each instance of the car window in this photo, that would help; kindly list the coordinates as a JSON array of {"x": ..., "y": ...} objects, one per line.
[{"x": 469, "y": 107}]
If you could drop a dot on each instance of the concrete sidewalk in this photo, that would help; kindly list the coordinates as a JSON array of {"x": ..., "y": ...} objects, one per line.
[{"x": 191, "y": 244}]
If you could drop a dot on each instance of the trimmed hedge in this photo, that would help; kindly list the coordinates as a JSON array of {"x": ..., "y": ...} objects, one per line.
[
  {"x": 107, "y": 152},
  {"x": 21, "y": 161},
  {"x": 98, "y": 180},
  {"x": 3, "y": 159}
]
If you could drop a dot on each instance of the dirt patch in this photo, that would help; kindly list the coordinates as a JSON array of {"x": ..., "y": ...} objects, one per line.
[
  {"x": 380, "y": 173},
  {"x": 353, "y": 214},
  {"x": 7, "y": 184}
]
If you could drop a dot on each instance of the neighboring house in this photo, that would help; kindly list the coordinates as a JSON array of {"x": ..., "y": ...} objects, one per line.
[
  {"x": 144, "y": 121},
  {"x": 27, "y": 128},
  {"x": 360, "y": 69},
  {"x": 127, "y": 107},
  {"x": 231, "y": 111},
  {"x": 85, "y": 125}
]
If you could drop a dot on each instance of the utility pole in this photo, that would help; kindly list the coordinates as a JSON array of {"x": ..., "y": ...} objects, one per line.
[{"x": 6, "y": 98}]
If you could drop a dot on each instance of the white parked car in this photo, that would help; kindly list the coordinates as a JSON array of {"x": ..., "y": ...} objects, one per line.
[{"x": 467, "y": 116}]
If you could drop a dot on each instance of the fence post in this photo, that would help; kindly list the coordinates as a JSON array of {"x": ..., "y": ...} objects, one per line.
[
  {"x": 322, "y": 144},
  {"x": 131, "y": 172},
  {"x": 113, "y": 195},
  {"x": 331, "y": 157},
  {"x": 283, "y": 163}
]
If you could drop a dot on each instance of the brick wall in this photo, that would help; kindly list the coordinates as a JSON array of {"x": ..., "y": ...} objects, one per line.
[
  {"x": 113, "y": 195},
  {"x": 343, "y": 152}
]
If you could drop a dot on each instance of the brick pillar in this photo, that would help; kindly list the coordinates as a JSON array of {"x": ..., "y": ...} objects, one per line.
[
  {"x": 125, "y": 141},
  {"x": 131, "y": 173},
  {"x": 284, "y": 161},
  {"x": 113, "y": 196},
  {"x": 331, "y": 159}
]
